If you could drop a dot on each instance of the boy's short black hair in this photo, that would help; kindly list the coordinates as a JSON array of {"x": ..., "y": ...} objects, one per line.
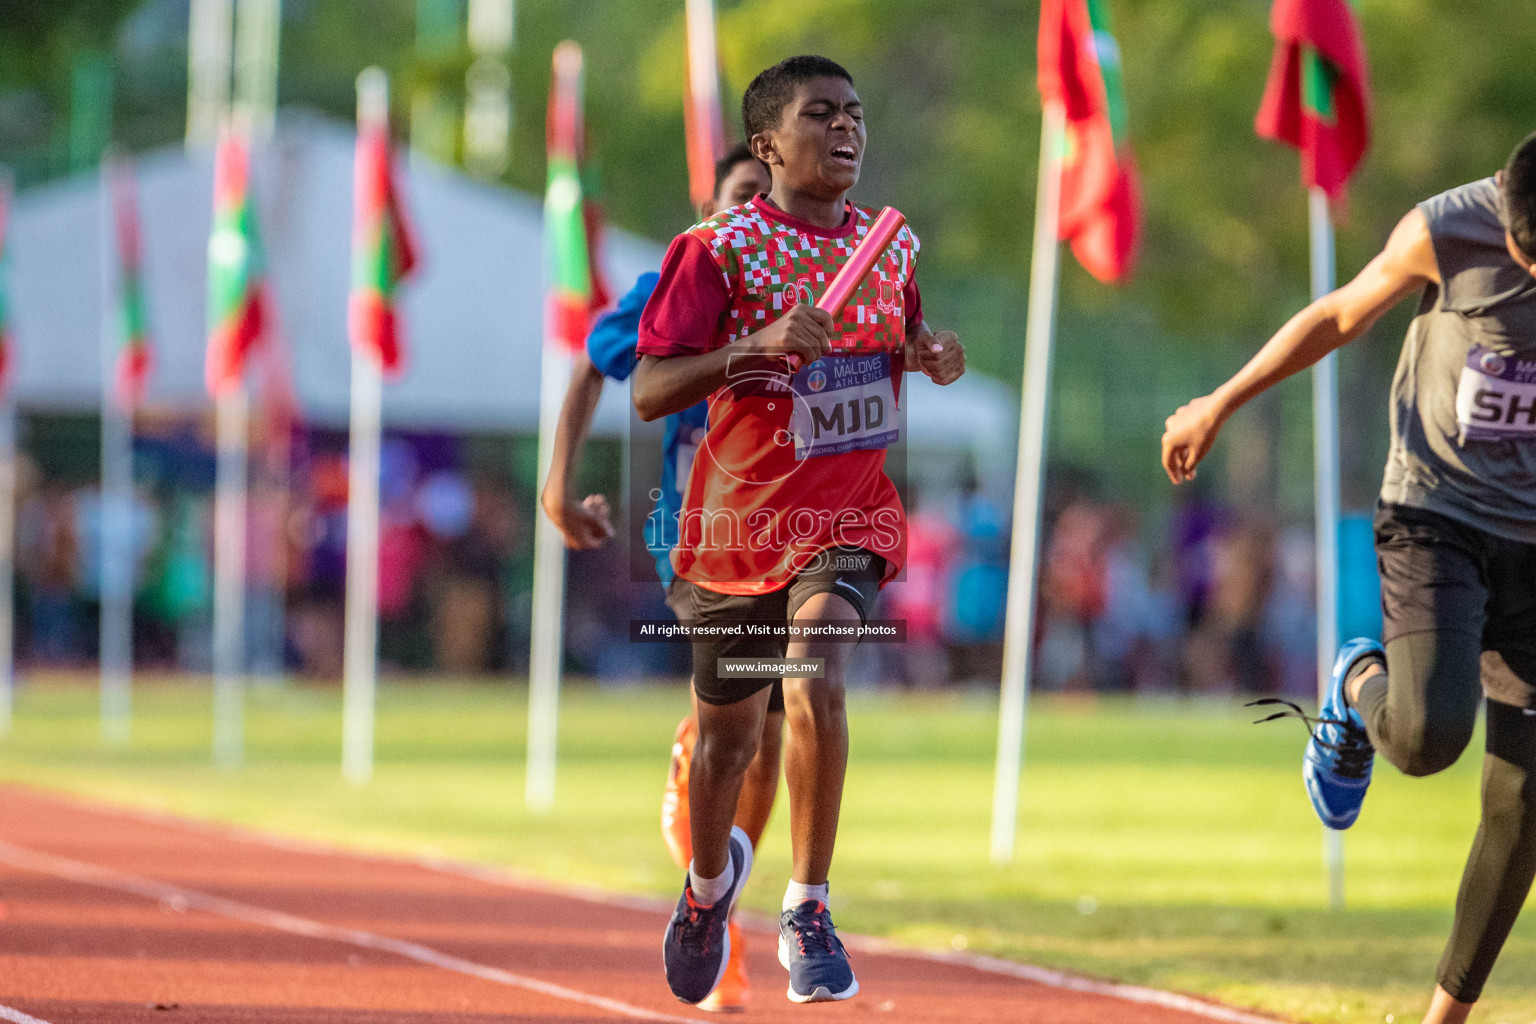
[
  {"x": 1519, "y": 187},
  {"x": 770, "y": 92},
  {"x": 737, "y": 154}
]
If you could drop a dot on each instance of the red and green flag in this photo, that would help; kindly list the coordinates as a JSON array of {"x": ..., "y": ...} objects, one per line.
[
  {"x": 1318, "y": 95},
  {"x": 6, "y": 341},
  {"x": 384, "y": 251},
  {"x": 133, "y": 357},
  {"x": 572, "y": 226},
  {"x": 703, "y": 127},
  {"x": 1079, "y": 69},
  {"x": 237, "y": 299}
]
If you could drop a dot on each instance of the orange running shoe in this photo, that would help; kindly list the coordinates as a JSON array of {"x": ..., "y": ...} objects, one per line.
[
  {"x": 674, "y": 801},
  {"x": 734, "y": 991}
]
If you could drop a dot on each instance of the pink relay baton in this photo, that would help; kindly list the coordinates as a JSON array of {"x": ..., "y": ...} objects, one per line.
[
  {"x": 847, "y": 280},
  {"x": 887, "y": 222}
]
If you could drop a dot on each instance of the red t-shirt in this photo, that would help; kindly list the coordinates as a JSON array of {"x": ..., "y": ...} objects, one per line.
[{"x": 787, "y": 469}]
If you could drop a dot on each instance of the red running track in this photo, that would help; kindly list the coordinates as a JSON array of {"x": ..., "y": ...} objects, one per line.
[{"x": 112, "y": 916}]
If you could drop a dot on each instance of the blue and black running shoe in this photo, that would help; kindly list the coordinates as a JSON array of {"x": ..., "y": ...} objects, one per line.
[
  {"x": 697, "y": 945},
  {"x": 810, "y": 950},
  {"x": 1337, "y": 765}
]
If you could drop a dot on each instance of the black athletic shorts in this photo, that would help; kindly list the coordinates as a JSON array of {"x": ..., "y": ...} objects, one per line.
[
  {"x": 679, "y": 599},
  {"x": 1438, "y": 573},
  {"x": 851, "y": 573}
]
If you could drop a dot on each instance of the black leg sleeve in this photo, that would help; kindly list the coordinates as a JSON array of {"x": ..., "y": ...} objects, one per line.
[
  {"x": 1503, "y": 859},
  {"x": 1420, "y": 715}
]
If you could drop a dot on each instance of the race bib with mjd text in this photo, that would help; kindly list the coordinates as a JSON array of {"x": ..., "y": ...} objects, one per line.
[{"x": 844, "y": 404}]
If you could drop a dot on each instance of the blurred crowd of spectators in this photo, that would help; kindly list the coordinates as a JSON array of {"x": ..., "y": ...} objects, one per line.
[
  {"x": 1210, "y": 599},
  {"x": 452, "y": 565},
  {"x": 1219, "y": 600}
]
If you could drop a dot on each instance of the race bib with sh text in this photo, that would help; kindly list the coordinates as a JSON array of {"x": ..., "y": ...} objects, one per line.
[{"x": 1496, "y": 398}]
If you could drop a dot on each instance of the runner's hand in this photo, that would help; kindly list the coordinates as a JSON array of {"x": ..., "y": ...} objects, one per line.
[
  {"x": 586, "y": 525},
  {"x": 942, "y": 357},
  {"x": 804, "y": 335},
  {"x": 1188, "y": 434}
]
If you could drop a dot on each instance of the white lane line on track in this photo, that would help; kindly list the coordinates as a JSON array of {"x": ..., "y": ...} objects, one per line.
[
  {"x": 1073, "y": 983},
  {"x": 510, "y": 879},
  {"x": 15, "y": 1016},
  {"x": 178, "y": 898}
]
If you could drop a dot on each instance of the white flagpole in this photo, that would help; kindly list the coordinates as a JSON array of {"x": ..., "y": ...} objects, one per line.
[
  {"x": 491, "y": 26},
  {"x": 7, "y": 499},
  {"x": 1325, "y": 441},
  {"x": 360, "y": 655},
  {"x": 7, "y": 556},
  {"x": 229, "y": 521},
  {"x": 258, "y": 30},
  {"x": 1028, "y": 488},
  {"x": 545, "y": 644},
  {"x": 209, "y": 55},
  {"x": 548, "y": 599},
  {"x": 116, "y": 508}
]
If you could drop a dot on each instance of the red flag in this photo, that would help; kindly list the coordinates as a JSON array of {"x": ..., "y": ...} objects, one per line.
[
  {"x": 572, "y": 223},
  {"x": 133, "y": 357},
  {"x": 383, "y": 250},
  {"x": 1079, "y": 69},
  {"x": 237, "y": 291},
  {"x": 1318, "y": 96},
  {"x": 703, "y": 127}
]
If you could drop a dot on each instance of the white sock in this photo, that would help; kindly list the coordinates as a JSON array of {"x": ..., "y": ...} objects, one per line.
[
  {"x": 799, "y": 892},
  {"x": 707, "y": 891}
]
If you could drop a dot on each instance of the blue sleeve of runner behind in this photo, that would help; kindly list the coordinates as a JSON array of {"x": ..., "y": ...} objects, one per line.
[{"x": 611, "y": 345}]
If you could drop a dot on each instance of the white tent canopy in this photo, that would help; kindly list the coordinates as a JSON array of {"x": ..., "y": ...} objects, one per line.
[
  {"x": 474, "y": 313},
  {"x": 474, "y": 320}
]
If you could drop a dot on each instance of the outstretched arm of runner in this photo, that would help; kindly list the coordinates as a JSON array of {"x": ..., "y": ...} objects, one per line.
[
  {"x": 584, "y": 524},
  {"x": 667, "y": 384},
  {"x": 1402, "y": 268}
]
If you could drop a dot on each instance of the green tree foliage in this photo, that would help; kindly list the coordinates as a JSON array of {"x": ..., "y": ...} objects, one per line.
[
  {"x": 954, "y": 123},
  {"x": 38, "y": 38}
]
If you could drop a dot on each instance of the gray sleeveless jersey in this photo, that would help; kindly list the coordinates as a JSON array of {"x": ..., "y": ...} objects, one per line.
[{"x": 1464, "y": 395}]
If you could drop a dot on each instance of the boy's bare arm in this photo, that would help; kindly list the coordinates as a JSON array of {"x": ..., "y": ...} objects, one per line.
[
  {"x": 667, "y": 384},
  {"x": 1403, "y": 267},
  {"x": 584, "y": 524}
]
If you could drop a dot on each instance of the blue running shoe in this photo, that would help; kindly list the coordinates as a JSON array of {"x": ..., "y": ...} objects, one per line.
[
  {"x": 1337, "y": 765},
  {"x": 697, "y": 945},
  {"x": 810, "y": 950}
]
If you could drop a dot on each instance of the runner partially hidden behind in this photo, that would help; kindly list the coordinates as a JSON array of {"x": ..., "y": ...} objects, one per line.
[
  {"x": 788, "y": 515},
  {"x": 586, "y": 524},
  {"x": 1455, "y": 537}
]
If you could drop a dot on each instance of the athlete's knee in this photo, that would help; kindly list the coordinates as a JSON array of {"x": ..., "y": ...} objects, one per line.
[
  {"x": 1425, "y": 717},
  {"x": 819, "y": 704},
  {"x": 1509, "y": 800},
  {"x": 1509, "y": 774},
  {"x": 725, "y": 752},
  {"x": 1432, "y": 746},
  {"x": 722, "y": 760}
]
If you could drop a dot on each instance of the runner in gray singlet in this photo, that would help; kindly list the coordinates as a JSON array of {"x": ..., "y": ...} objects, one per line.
[
  {"x": 1464, "y": 396},
  {"x": 1455, "y": 538}
]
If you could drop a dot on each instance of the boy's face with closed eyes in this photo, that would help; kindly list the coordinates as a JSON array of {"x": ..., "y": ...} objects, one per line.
[{"x": 818, "y": 146}]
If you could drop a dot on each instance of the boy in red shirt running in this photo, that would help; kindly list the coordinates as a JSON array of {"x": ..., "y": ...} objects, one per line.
[
  {"x": 610, "y": 353},
  {"x": 788, "y": 515}
]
